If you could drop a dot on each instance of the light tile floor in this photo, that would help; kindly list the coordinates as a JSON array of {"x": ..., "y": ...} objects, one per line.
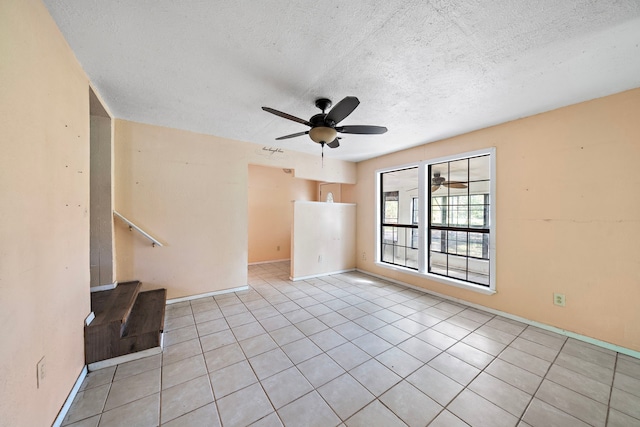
[{"x": 354, "y": 350}]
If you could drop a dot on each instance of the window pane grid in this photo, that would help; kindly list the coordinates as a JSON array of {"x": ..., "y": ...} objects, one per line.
[
  {"x": 458, "y": 211},
  {"x": 455, "y": 249},
  {"x": 472, "y": 245},
  {"x": 401, "y": 250},
  {"x": 399, "y": 231}
]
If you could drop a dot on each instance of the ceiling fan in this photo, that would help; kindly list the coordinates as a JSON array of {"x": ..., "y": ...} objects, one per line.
[
  {"x": 324, "y": 129},
  {"x": 438, "y": 180}
]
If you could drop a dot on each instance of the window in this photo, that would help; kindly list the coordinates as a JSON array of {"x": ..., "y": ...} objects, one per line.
[
  {"x": 459, "y": 226},
  {"x": 397, "y": 230},
  {"x": 453, "y": 238}
]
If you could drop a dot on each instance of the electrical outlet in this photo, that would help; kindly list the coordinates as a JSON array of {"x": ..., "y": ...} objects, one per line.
[
  {"x": 364, "y": 256},
  {"x": 278, "y": 248},
  {"x": 41, "y": 371},
  {"x": 319, "y": 258},
  {"x": 558, "y": 299}
]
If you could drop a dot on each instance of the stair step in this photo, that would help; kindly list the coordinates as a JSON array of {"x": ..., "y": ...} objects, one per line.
[
  {"x": 145, "y": 326},
  {"x": 126, "y": 321},
  {"x": 114, "y": 305}
]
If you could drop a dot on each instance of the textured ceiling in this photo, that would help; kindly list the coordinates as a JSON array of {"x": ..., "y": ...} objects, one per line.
[{"x": 424, "y": 69}]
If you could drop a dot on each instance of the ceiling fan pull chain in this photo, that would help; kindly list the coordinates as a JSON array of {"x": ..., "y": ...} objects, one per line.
[{"x": 322, "y": 144}]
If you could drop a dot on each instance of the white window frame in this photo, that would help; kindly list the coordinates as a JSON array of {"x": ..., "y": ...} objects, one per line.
[{"x": 422, "y": 215}]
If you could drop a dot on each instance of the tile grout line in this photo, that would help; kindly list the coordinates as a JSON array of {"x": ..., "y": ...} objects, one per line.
[
  {"x": 445, "y": 407},
  {"x": 178, "y": 361},
  {"x": 613, "y": 380},
  {"x": 206, "y": 366},
  {"x": 104, "y": 404},
  {"x": 160, "y": 420},
  {"x": 161, "y": 375},
  {"x": 533, "y": 395},
  {"x": 466, "y": 387},
  {"x": 253, "y": 370}
]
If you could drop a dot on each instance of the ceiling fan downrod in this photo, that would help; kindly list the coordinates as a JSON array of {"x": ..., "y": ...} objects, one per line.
[{"x": 323, "y": 104}]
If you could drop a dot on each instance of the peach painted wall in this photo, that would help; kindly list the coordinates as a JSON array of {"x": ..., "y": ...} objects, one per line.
[
  {"x": 271, "y": 212},
  {"x": 348, "y": 193},
  {"x": 44, "y": 205},
  {"x": 190, "y": 191},
  {"x": 567, "y": 216}
]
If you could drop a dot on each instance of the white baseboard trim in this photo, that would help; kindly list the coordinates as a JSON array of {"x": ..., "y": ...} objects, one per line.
[
  {"x": 269, "y": 262},
  {"x": 126, "y": 358},
  {"x": 584, "y": 338},
  {"x": 89, "y": 318},
  {"x": 69, "y": 401},
  {"x": 104, "y": 287},
  {"x": 313, "y": 276},
  {"x": 208, "y": 294}
]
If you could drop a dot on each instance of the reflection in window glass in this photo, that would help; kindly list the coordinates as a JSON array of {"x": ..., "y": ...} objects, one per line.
[{"x": 390, "y": 207}]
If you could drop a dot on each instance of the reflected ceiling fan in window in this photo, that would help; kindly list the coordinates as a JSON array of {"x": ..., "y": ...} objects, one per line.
[
  {"x": 438, "y": 180},
  {"x": 324, "y": 126}
]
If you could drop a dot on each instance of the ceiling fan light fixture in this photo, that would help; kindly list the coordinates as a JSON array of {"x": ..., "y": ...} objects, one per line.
[{"x": 323, "y": 134}]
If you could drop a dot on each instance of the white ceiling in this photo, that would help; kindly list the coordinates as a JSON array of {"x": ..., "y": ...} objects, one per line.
[{"x": 424, "y": 69}]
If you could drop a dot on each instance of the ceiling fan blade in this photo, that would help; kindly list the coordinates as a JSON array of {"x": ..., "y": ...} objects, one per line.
[
  {"x": 287, "y": 116},
  {"x": 455, "y": 184},
  {"x": 334, "y": 144},
  {"x": 293, "y": 135},
  {"x": 434, "y": 188},
  {"x": 342, "y": 109},
  {"x": 362, "y": 129}
]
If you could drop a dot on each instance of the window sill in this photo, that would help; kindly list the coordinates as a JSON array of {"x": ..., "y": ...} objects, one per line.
[{"x": 440, "y": 279}]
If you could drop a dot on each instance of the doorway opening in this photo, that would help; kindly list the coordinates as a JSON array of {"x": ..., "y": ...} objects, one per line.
[{"x": 271, "y": 193}]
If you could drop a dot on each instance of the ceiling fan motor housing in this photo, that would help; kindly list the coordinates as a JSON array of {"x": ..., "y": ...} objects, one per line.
[
  {"x": 318, "y": 120},
  {"x": 322, "y": 131}
]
